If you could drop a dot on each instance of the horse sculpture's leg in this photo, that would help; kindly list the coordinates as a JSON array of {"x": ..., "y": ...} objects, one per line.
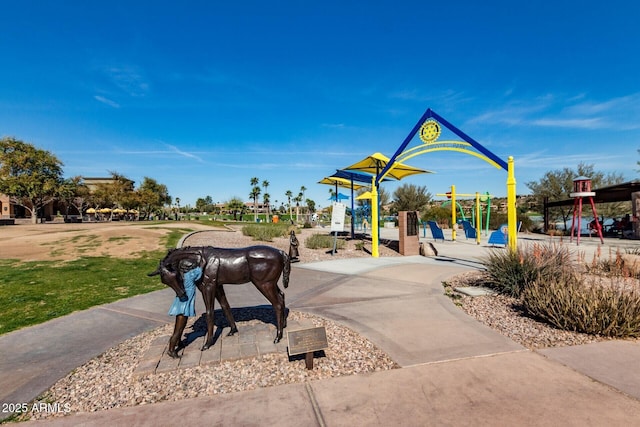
[
  {"x": 222, "y": 299},
  {"x": 284, "y": 309},
  {"x": 178, "y": 329},
  {"x": 209, "y": 296},
  {"x": 276, "y": 297}
]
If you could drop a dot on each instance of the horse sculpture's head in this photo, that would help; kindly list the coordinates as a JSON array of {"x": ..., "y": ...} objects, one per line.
[{"x": 171, "y": 266}]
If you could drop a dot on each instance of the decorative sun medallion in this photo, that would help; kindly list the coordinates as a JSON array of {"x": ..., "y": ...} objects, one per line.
[{"x": 429, "y": 131}]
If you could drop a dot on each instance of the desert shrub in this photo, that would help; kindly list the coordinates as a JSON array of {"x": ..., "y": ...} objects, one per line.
[
  {"x": 265, "y": 232},
  {"x": 567, "y": 303},
  {"x": 611, "y": 266},
  {"x": 510, "y": 271},
  {"x": 438, "y": 214},
  {"x": 617, "y": 264},
  {"x": 499, "y": 218},
  {"x": 320, "y": 241}
]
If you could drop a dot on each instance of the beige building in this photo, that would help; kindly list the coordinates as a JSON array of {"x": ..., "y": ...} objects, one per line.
[
  {"x": 10, "y": 211},
  {"x": 6, "y": 208}
]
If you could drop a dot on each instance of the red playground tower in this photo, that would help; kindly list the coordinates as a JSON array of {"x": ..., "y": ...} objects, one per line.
[{"x": 582, "y": 188}]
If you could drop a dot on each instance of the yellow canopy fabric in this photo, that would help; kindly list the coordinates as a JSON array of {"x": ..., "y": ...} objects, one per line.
[
  {"x": 364, "y": 196},
  {"x": 341, "y": 182},
  {"x": 374, "y": 164}
]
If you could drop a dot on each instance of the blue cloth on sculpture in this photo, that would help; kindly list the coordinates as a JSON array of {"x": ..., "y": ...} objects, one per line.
[{"x": 188, "y": 307}]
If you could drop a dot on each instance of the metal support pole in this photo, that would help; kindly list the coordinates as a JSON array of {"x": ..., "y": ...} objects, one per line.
[
  {"x": 453, "y": 213},
  {"x": 512, "y": 217},
  {"x": 374, "y": 218},
  {"x": 478, "y": 219}
]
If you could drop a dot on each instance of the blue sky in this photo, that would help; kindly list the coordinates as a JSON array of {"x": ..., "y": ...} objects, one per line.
[{"x": 204, "y": 95}]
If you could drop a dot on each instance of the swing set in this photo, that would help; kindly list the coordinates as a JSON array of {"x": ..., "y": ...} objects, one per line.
[{"x": 476, "y": 221}]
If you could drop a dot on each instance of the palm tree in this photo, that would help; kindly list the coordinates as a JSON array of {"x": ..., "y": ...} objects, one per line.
[
  {"x": 255, "y": 192},
  {"x": 235, "y": 205},
  {"x": 302, "y": 190},
  {"x": 289, "y": 195},
  {"x": 298, "y": 199},
  {"x": 266, "y": 197},
  {"x": 265, "y": 184}
]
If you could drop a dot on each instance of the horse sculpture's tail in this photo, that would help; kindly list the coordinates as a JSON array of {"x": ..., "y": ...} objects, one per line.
[{"x": 286, "y": 261}]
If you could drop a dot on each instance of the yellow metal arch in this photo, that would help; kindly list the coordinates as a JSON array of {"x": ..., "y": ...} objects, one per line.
[{"x": 424, "y": 150}]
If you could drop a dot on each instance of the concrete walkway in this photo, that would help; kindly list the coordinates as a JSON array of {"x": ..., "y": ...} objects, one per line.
[{"x": 455, "y": 371}]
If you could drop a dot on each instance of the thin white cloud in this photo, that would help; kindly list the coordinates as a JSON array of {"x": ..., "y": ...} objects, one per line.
[
  {"x": 333, "y": 125},
  {"x": 552, "y": 161},
  {"x": 515, "y": 113},
  {"x": 129, "y": 79},
  {"x": 171, "y": 149},
  {"x": 614, "y": 104},
  {"x": 186, "y": 154},
  {"x": 576, "y": 112},
  {"x": 106, "y": 101},
  {"x": 593, "y": 123}
]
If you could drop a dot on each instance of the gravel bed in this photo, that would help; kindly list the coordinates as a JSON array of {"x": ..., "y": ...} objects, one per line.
[
  {"x": 108, "y": 381},
  {"x": 504, "y": 314}
]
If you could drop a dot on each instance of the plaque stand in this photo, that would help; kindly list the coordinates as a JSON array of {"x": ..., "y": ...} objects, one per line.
[{"x": 307, "y": 341}]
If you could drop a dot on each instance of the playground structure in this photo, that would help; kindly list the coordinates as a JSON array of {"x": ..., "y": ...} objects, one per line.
[
  {"x": 452, "y": 196},
  {"x": 379, "y": 168},
  {"x": 581, "y": 189},
  {"x": 429, "y": 127}
]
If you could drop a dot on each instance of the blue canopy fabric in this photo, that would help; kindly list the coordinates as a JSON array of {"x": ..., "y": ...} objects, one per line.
[{"x": 340, "y": 197}]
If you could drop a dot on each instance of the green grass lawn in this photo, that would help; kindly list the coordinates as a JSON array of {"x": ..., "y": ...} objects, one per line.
[{"x": 34, "y": 292}]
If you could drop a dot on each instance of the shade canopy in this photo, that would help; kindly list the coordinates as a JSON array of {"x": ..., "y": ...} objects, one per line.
[
  {"x": 340, "y": 182},
  {"x": 374, "y": 164},
  {"x": 364, "y": 196},
  {"x": 340, "y": 197},
  {"x": 353, "y": 176}
]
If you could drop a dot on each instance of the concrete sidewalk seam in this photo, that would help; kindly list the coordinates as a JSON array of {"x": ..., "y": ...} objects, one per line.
[
  {"x": 314, "y": 404},
  {"x": 132, "y": 313},
  {"x": 480, "y": 356},
  {"x": 362, "y": 301},
  {"x": 591, "y": 377}
]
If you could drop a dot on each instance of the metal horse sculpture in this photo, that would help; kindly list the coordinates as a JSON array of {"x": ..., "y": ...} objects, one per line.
[{"x": 261, "y": 265}]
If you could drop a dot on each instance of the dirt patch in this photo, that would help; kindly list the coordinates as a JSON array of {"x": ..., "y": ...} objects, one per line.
[
  {"x": 359, "y": 247},
  {"x": 64, "y": 242}
]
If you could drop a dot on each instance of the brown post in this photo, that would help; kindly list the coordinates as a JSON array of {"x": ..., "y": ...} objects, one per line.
[{"x": 308, "y": 359}]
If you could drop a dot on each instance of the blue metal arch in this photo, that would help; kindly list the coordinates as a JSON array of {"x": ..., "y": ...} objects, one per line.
[{"x": 432, "y": 114}]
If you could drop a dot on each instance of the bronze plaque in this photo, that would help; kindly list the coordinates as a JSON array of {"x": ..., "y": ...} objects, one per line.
[{"x": 307, "y": 340}]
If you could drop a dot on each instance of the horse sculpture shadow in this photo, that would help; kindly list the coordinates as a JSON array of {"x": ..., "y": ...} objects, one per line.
[{"x": 263, "y": 313}]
